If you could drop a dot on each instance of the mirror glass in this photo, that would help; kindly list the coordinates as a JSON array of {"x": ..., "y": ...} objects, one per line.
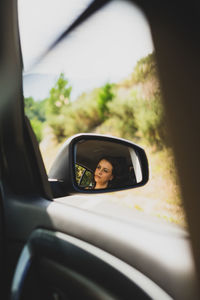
[{"x": 101, "y": 164}]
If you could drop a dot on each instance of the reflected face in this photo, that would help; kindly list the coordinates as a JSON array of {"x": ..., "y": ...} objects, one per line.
[{"x": 103, "y": 173}]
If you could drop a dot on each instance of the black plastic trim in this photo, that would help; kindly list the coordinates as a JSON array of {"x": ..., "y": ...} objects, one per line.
[{"x": 84, "y": 265}]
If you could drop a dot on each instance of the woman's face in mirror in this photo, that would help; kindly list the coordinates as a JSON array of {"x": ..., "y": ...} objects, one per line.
[{"x": 103, "y": 173}]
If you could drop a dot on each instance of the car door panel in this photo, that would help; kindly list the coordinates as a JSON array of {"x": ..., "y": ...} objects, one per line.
[
  {"x": 135, "y": 243},
  {"x": 75, "y": 269}
]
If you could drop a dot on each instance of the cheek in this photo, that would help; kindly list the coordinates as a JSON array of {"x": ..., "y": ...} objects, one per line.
[{"x": 108, "y": 176}]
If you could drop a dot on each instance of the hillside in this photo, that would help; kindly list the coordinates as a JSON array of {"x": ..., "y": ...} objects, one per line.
[{"x": 131, "y": 109}]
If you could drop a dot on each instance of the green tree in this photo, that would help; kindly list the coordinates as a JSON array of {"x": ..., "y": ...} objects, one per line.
[
  {"x": 59, "y": 96},
  {"x": 34, "y": 109},
  {"x": 29, "y": 107},
  {"x": 105, "y": 95},
  {"x": 57, "y": 106}
]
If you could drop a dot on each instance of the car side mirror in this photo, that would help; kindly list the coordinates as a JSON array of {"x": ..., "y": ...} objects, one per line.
[{"x": 91, "y": 163}]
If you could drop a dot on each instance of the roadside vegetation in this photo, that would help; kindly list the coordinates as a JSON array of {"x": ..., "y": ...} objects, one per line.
[{"x": 131, "y": 109}]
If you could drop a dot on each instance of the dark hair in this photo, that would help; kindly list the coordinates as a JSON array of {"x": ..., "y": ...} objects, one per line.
[{"x": 119, "y": 170}]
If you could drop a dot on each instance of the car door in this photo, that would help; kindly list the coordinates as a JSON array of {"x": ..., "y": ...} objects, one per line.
[{"x": 52, "y": 250}]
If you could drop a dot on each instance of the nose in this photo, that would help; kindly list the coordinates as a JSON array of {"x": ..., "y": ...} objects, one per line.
[{"x": 100, "y": 172}]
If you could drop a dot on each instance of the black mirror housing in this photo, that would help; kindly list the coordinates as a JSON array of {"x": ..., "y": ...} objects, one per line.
[{"x": 83, "y": 151}]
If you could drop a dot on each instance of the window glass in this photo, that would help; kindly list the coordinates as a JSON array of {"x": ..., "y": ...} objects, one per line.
[
  {"x": 102, "y": 78},
  {"x": 84, "y": 177},
  {"x": 41, "y": 22}
]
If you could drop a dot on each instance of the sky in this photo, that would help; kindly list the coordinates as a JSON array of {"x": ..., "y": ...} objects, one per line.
[{"x": 104, "y": 49}]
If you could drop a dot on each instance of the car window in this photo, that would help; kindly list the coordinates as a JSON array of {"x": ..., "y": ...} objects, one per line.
[
  {"x": 101, "y": 78},
  {"x": 84, "y": 177}
]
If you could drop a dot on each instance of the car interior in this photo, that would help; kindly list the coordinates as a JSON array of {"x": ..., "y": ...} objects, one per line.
[
  {"x": 89, "y": 153},
  {"x": 52, "y": 250}
]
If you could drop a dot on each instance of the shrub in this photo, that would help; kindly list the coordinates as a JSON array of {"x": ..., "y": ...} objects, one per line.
[
  {"x": 122, "y": 110},
  {"x": 79, "y": 116},
  {"x": 150, "y": 120},
  {"x": 37, "y": 128},
  {"x": 145, "y": 68}
]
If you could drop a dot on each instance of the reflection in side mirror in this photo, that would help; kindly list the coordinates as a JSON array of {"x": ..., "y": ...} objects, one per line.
[
  {"x": 97, "y": 163},
  {"x": 84, "y": 177},
  {"x": 102, "y": 164}
]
